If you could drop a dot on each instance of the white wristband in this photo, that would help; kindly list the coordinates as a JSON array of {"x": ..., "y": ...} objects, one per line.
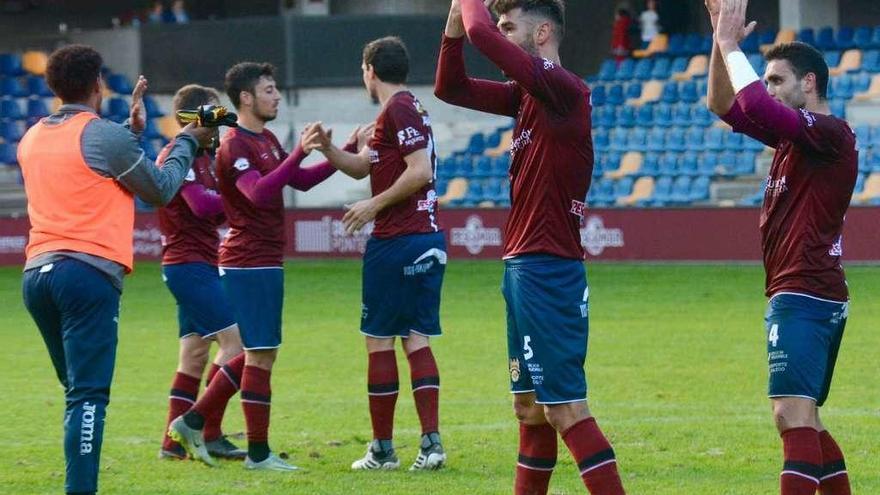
[{"x": 740, "y": 70}]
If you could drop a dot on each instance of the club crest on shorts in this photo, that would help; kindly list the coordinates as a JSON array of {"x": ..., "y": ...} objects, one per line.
[{"x": 514, "y": 370}]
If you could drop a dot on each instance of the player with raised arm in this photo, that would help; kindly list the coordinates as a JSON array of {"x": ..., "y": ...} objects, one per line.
[
  {"x": 252, "y": 171},
  {"x": 405, "y": 257},
  {"x": 189, "y": 268},
  {"x": 808, "y": 192},
  {"x": 544, "y": 284}
]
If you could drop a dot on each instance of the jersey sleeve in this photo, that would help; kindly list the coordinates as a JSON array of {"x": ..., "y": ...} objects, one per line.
[
  {"x": 824, "y": 134},
  {"x": 410, "y": 132},
  {"x": 237, "y": 159}
]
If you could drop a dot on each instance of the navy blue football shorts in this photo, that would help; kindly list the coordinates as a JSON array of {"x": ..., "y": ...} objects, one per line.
[
  {"x": 803, "y": 337},
  {"x": 201, "y": 304},
  {"x": 257, "y": 298},
  {"x": 547, "y": 327},
  {"x": 402, "y": 279}
]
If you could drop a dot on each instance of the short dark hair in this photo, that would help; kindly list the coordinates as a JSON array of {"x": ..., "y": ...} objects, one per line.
[
  {"x": 803, "y": 59},
  {"x": 552, "y": 10},
  {"x": 389, "y": 58},
  {"x": 245, "y": 76},
  {"x": 73, "y": 71},
  {"x": 193, "y": 96}
]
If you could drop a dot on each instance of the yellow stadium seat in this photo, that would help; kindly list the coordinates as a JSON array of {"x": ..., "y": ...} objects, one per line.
[
  {"x": 642, "y": 189},
  {"x": 698, "y": 66},
  {"x": 851, "y": 60},
  {"x": 783, "y": 36},
  {"x": 35, "y": 62},
  {"x": 871, "y": 190},
  {"x": 503, "y": 146},
  {"x": 873, "y": 91},
  {"x": 456, "y": 190},
  {"x": 651, "y": 91},
  {"x": 168, "y": 126},
  {"x": 630, "y": 164},
  {"x": 657, "y": 45}
]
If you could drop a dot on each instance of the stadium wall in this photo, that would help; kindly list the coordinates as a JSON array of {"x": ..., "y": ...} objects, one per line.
[{"x": 699, "y": 235}]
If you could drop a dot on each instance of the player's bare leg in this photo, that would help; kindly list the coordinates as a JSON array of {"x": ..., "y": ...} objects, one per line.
[
  {"x": 588, "y": 445},
  {"x": 426, "y": 392},
  {"x": 382, "y": 388},
  {"x": 537, "y": 447}
]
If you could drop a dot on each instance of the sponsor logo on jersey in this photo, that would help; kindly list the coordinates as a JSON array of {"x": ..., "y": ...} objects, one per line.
[
  {"x": 87, "y": 429},
  {"x": 474, "y": 237},
  {"x": 514, "y": 370},
  {"x": 837, "y": 247},
  {"x": 808, "y": 116},
  {"x": 578, "y": 208},
  {"x": 548, "y": 64},
  {"x": 409, "y": 136},
  {"x": 374, "y": 156},
  {"x": 428, "y": 203},
  {"x": 524, "y": 139},
  {"x": 775, "y": 187},
  {"x": 241, "y": 164},
  {"x": 596, "y": 238}
]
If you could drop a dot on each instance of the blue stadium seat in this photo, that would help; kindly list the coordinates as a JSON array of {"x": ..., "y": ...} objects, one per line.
[
  {"x": 688, "y": 92},
  {"x": 860, "y": 183},
  {"x": 670, "y": 92},
  {"x": 37, "y": 86},
  {"x": 707, "y": 164},
  {"x": 10, "y": 109},
  {"x": 597, "y": 95},
  {"x": 662, "y": 114},
  {"x": 615, "y": 94},
  {"x": 863, "y": 134},
  {"x": 864, "y": 165},
  {"x": 617, "y": 139},
  {"x": 603, "y": 116},
  {"x": 11, "y": 86},
  {"x": 119, "y": 84},
  {"x": 688, "y": 165},
  {"x": 862, "y": 37},
  {"x": 713, "y": 140},
  {"x": 693, "y": 44},
  {"x": 680, "y": 64},
  {"x": 10, "y": 131},
  {"x": 832, "y": 58},
  {"x": 441, "y": 185},
  {"x": 626, "y": 116},
  {"x": 117, "y": 107},
  {"x": 874, "y": 160},
  {"x": 600, "y": 138},
  {"x": 700, "y": 188},
  {"x": 668, "y": 164},
  {"x": 681, "y": 190},
  {"x": 36, "y": 108},
  {"x": 8, "y": 154},
  {"x": 645, "y": 115},
  {"x": 825, "y": 39},
  {"x": 676, "y": 47},
  {"x": 153, "y": 110},
  {"x": 482, "y": 167},
  {"x": 446, "y": 168},
  {"x": 807, "y": 35},
  {"x": 607, "y": 70},
  {"x": 643, "y": 68},
  {"x": 733, "y": 141},
  {"x": 845, "y": 38},
  {"x": 10, "y": 65},
  {"x": 843, "y": 87},
  {"x": 634, "y": 90},
  {"x": 757, "y": 61},
  {"x": 838, "y": 107},
  {"x": 656, "y": 141},
  {"x": 661, "y": 69},
  {"x": 701, "y": 115},
  {"x": 693, "y": 139},
  {"x": 874, "y": 139},
  {"x": 861, "y": 82},
  {"x": 726, "y": 163},
  {"x": 767, "y": 37},
  {"x": 675, "y": 139},
  {"x": 662, "y": 191},
  {"x": 462, "y": 166},
  {"x": 681, "y": 114},
  {"x": 751, "y": 44},
  {"x": 477, "y": 144},
  {"x": 650, "y": 165},
  {"x": 612, "y": 160},
  {"x": 474, "y": 193},
  {"x": 623, "y": 187},
  {"x": 493, "y": 190},
  {"x": 702, "y": 85},
  {"x": 601, "y": 192},
  {"x": 636, "y": 140},
  {"x": 599, "y": 164},
  {"x": 751, "y": 144},
  {"x": 625, "y": 70},
  {"x": 501, "y": 165},
  {"x": 745, "y": 163},
  {"x": 875, "y": 38}
]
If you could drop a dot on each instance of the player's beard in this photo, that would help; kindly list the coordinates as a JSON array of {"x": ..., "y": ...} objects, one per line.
[
  {"x": 529, "y": 46},
  {"x": 374, "y": 96},
  {"x": 267, "y": 116}
]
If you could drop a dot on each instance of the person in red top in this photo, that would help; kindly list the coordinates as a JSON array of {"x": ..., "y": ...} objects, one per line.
[
  {"x": 189, "y": 268},
  {"x": 621, "y": 42},
  {"x": 544, "y": 282},
  {"x": 405, "y": 257},
  {"x": 806, "y": 197},
  {"x": 252, "y": 170}
]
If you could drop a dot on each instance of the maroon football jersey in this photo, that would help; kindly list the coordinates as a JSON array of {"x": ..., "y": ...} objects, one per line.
[
  {"x": 256, "y": 234},
  {"x": 186, "y": 238},
  {"x": 808, "y": 192},
  {"x": 403, "y": 128}
]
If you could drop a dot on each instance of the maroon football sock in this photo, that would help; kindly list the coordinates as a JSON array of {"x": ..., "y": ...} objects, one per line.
[
  {"x": 426, "y": 387},
  {"x": 223, "y": 386},
  {"x": 803, "y": 461},
  {"x": 214, "y": 419},
  {"x": 382, "y": 388},
  {"x": 256, "y": 401},
  {"x": 537, "y": 458},
  {"x": 594, "y": 457},
  {"x": 184, "y": 390},
  {"x": 834, "y": 480}
]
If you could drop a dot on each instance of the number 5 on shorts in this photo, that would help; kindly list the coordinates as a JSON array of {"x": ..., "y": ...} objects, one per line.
[
  {"x": 527, "y": 349},
  {"x": 773, "y": 336}
]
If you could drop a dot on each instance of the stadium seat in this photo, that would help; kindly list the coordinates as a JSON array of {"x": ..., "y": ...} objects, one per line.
[
  {"x": 681, "y": 190},
  {"x": 600, "y": 138},
  {"x": 152, "y": 107},
  {"x": 10, "y": 65},
  {"x": 668, "y": 164},
  {"x": 838, "y": 107},
  {"x": 492, "y": 140},
  {"x": 732, "y": 141},
  {"x": 707, "y": 164},
  {"x": 825, "y": 39},
  {"x": 662, "y": 191},
  {"x": 687, "y": 92},
  {"x": 832, "y": 58},
  {"x": 623, "y": 187},
  {"x": 615, "y": 94},
  {"x": 658, "y": 44},
  {"x": 679, "y": 64},
  {"x": 860, "y": 183},
  {"x": 617, "y": 139},
  {"x": 633, "y": 90},
  {"x": 726, "y": 164},
  {"x": 694, "y": 138},
  {"x": 8, "y": 154},
  {"x": 35, "y": 62},
  {"x": 482, "y": 167},
  {"x": 676, "y": 45},
  {"x": 862, "y": 37},
  {"x": 501, "y": 166},
  {"x": 477, "y": 144},
  {"x": 767, "y": 37},
  {"x": 642, "y": 190},
  {"x": 745, "y": 163},
  {"x": 845, "y": 38},
  {"x": 643, "y": 68},
  {"x": 701, "y": 115},
  {"x": 700, "y": 189},
  {"x": 807, "y": 35},
  {"x": 675, "y": 139},
  {"x": 603, "y": 117},
  {"x": 635, "y": 139},
  {"x": 863, "y": 134},
  {"x": 651, "y": 92},
  {"x": 36, "y": 108},
  {"x": 864, "y": 165},
  {"x": 455, "y": 191},
  {"x": 874, "y": 137},
  {"x": 670, "y": 93},
  {"x": 117, "y": 107},
  {"x": 713, "y": 140},
  {"x": 650, "y": 165},
  {"x": 10, "y": 109},
  {"x": 783, "y": 36},
  {"x": 698, "y": 66},
  {"x": 656, "y": 141},
  {"x": 597, "y": 95},
  {"x": 10, "y": 86},
  {"x": 681, "y": 114},
  {"x": 662, "y": 115},
  {"x": 850, "y": 61},
  {"x": 607, "y": 70},
  {"x": 871, "y": 191},
  {"x": 662, "y": 69},
  {"x": 10, "y": 131},
  {"x": 37, "y": 87},
  {"x": 625, "y": 70},
  {"x": 119, "y": 84},
  {"x": 751, "y": 43},
  {"x": 873, "y": 91},
  {"x": 629, "y": 165},
  {"x": 687, "y": 164},
  {"x": 693, "y": 44},
  {"x": 626, "y": 116},
  {"x": 861, "y": 82},
  {"x": 602, "y": 192},
  {"x": 875, "y": 38},
  {"x": 645, "y": 115}
]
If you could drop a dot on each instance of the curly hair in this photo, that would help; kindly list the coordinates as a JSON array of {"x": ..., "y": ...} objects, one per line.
[
  {"x": 389, "y": 59},
  {"x": 245, "y": 76},
  {"x": 73, "y": 71},
  {"x": 803, "y": 59},
  {"x": 552, "y": 10}
]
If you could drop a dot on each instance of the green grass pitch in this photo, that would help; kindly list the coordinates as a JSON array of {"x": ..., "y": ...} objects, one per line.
[{"x": 676, "y": 366}]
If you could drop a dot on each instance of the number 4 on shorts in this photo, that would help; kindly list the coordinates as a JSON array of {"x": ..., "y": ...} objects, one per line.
[{"x": 773, "y": 336}]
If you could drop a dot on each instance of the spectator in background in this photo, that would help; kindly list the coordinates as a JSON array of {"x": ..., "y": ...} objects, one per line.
[
  {"x": 649, "y": 21},
  {"x": 620, "y": 38},
  {"x": 178, "y": 10},
  {"x": 157, "y": 13}
]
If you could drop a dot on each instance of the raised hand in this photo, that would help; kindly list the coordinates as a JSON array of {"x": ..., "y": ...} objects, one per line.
[
  {"x": 454, "y": 24},
  {"x": 138, "y": 114},
  {"x": 714, "y": 8},
  {"x": 314, "y": 137},
  {"x": 731, "y": 27},
  {"x": 364, "y": 134}
]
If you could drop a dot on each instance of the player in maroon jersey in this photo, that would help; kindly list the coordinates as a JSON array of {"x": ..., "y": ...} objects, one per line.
[
  {"x": 405, "y": 257},
  {"x": 189, "y": 268},
  {"x": 807, "y": 194},
  {"x": 252, "y": 169},
  {"x": 544, "y": 282}
]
